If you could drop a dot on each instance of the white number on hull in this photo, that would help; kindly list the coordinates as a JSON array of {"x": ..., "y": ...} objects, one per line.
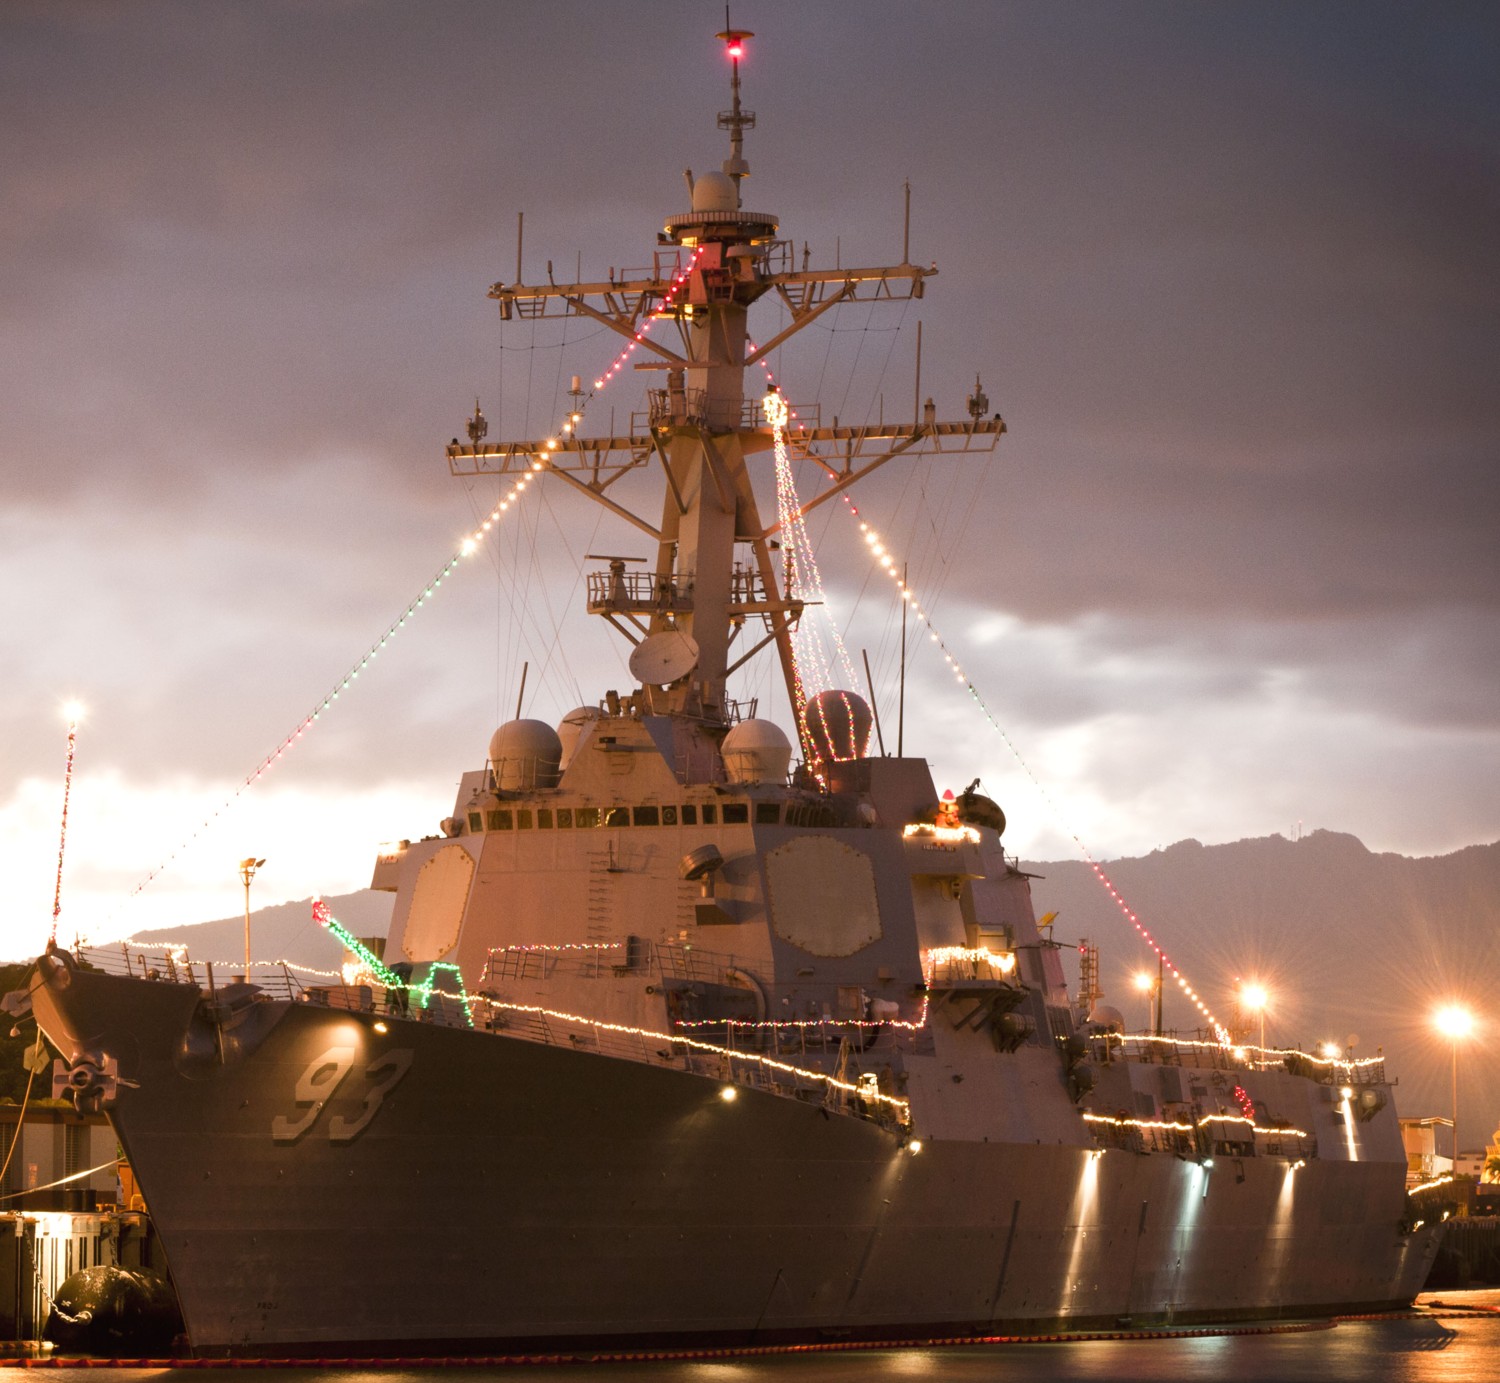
[
  {"x": 323, "y": 1076},
  {"x": 392, "y": 1066}
]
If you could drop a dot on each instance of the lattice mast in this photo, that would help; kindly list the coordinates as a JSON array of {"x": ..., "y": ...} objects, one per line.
[{"x": 714, "y": 575}]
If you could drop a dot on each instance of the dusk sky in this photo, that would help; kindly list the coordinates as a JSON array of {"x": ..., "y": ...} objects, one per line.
[{"x": 1228, "y": 271}]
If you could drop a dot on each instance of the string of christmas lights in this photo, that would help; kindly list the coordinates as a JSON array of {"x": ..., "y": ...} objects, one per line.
[
  {"x": 1178, "y": 1126},
  {"x": 422, "y": 990},
  {"x": 1430, "y": 1185},
  {"x": 558, "y": 947},
  {"x": 729, "y": 1053},
  {"x": 980, "y": 955},
  {"x": 794, "y": 1024},
  {"x": 665, "y": 310},
  {"x": 467, "y": 547},
  {"x": 73, "y": 711},
  {"x": 804, "y": 580},
  {"x": 1271, "y": 1053}
]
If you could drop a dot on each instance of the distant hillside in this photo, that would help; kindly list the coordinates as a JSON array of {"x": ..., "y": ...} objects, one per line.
[
  {"x": 1347, "y": 942},
  {"x": 283, "y": 932}
]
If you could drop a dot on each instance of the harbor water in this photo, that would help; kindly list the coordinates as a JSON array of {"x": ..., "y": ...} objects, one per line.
[{"x": 1456, "y": 1339}]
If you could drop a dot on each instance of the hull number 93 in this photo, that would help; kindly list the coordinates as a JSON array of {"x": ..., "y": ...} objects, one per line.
[{"x": 324, "y": 1076}]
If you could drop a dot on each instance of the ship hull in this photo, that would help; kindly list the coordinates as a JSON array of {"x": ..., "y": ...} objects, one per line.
[{"x": 323, "y": 1187}]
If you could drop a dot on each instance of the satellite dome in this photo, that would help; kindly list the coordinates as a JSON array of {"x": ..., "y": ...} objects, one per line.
[
  {"x": 571, "y": 729},
  {"x": 756, "y": 751},
  {"x": 1107, "y": 1018},
  {"x": 838, "y": 726},
  {"x": 715, "y": 192},
  {"x": 525, "y": 754}
]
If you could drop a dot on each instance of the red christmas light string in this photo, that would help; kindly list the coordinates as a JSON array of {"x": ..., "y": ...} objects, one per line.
[
  {"x": 656, "y": 314},
  {"x": 62, "y": 840},
  {"x": 878, "y": 549},
  {"x": 888, "y": 562}
]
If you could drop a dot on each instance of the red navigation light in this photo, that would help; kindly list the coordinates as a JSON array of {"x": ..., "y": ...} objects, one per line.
[{"x": 734, "y": 42}]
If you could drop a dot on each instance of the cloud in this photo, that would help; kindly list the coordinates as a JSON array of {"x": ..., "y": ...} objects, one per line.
[{"x": 1226, "y": 274}]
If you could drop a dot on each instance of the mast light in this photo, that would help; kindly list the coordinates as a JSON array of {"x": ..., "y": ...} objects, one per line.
[{"x": 734, "y": 42}]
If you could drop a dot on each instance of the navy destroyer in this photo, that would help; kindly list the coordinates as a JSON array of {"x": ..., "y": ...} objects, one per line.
[{"x": 690, "y": 1029}]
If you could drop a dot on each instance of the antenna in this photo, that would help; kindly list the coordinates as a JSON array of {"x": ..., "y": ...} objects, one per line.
[
  {"x": 901, "y": 696},
  {"x": 916, "y": 406},
  {"x": 874, "y": 705},
  {"x": 736, "y": 120}
]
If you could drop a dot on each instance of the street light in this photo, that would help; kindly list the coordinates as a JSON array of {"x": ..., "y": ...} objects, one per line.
[
  {"x": 1254, "y": 997},
  {"x": 1146, "y": 983},
  {"x": 1151, "y": 985},
  {"x": 248, "y": 866},
  {"x": 1454, "y": 1022}
]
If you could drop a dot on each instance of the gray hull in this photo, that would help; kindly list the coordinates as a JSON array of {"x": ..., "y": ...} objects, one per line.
[{"x": 454, "y": 1190}]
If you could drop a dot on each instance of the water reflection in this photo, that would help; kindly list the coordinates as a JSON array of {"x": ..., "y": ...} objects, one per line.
[{"x": 1454, "y": 1349}]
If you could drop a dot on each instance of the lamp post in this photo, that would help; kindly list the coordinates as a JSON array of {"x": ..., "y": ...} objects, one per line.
[
  {"x": 1454, "y": 1022},
  {"x": 1254, "y": 998},
  {"x": 248, "y": 866},
  {"x": 1151, "y": 986},
  {"x": 1146, "y": 983}
]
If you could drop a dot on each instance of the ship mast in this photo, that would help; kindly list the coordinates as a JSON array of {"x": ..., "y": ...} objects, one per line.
[{"x": 689, "y": 616}]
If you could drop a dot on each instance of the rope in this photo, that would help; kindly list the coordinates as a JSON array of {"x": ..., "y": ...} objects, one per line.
[
  {"x": 15, "y": 1142},
  {"x": 62, "y": 1181}
]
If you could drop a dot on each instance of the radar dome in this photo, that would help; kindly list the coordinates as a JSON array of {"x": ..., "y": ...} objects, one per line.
[
  {"x": 756, "y": 751},
  {"x": 714, "y": 192},
  {"x": 570, "y": 731},
  {"x": 1107, "y": 1018},
  {"x": 525, "y": 754},
  {"x": 838, "y": 726}
]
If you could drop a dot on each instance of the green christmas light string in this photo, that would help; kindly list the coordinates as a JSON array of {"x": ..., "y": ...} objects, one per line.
[{"x": 421, "y": 990}]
